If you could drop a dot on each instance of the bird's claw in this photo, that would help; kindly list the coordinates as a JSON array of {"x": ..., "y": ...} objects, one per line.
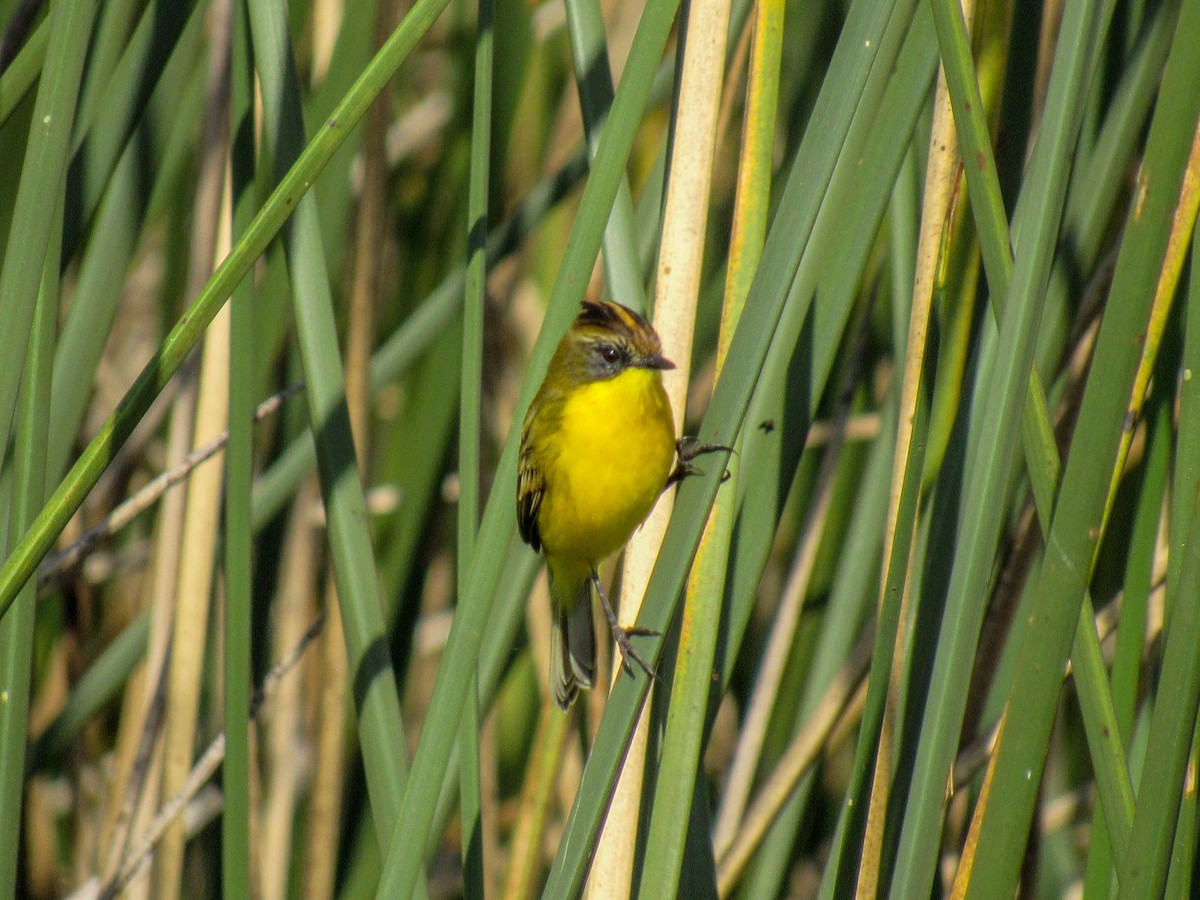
[
  {"x": 686, "y": 450},
  {"x": 629, "y": 652},
  {"x": 621, "y": 635}
]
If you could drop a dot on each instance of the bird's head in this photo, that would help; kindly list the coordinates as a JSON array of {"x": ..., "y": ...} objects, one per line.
[{"x": 605, "y": 340}]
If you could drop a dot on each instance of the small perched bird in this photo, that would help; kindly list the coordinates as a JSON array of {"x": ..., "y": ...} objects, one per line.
[{"x": 596, "y": 451}]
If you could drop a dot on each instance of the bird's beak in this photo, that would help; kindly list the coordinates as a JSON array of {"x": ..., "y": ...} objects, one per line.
[{"x": 656, "y": 361}]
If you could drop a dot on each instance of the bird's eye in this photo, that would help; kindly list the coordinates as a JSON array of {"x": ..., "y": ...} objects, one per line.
[{"x": 609, "y": 353}]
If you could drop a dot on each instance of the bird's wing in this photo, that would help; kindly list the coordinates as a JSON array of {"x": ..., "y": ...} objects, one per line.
[{"x": 530, "y": 488}]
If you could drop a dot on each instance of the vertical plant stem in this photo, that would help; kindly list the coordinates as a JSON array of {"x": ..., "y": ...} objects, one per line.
[
  {"x": 706, "y": 586},
  {"x": 677, "y": 295},
  {"x": 470, "y": 420},
  {"x": 326, "y": 803},
  {"x": 41, "y": 180},
  {"x": 525, "y": 849},
  {"x": 189, "y": 627},
  {"x": 1158, "y": 812},
  {"x": 471, "y": 801},
  {"x": 1003, "y": 393},
  {"x": 295, "y": 603},
  {"x": 940, "y": 179},
  {"x": 193, "y": 592},
  {"x": 139, "y": 757},
  {"x": 381, "y": 730},
  {"x": 239, "y": 477},
  {"x": 470, "y": 427},
  {"x": 17, "y": 629},
  {"x": 1158, "y": 801},
  {"x": 1062, "y": 579},
  {"x": 589, "y": 53},
  {"x": 1041, "y": 455},
  {"x": 1184, "y": 486}
]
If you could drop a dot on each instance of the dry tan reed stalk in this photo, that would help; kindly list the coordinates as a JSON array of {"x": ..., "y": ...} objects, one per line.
[
  {"x": 677, "y": 290},
  {"x": 287, "y": 741}
]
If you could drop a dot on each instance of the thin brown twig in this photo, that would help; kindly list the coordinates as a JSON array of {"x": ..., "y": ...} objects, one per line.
[
  {"x": 748, "y": 753},
  {"x": 806, "y": 747},
  {"x": 832, "y": 714},
  {"x": 140, "y": 770},
  {"x": 56, "y": 564},
  {"x": 204, "y": 768}
]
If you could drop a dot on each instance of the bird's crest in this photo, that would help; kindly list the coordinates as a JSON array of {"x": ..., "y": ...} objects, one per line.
[{"x": 613, "y": 317}]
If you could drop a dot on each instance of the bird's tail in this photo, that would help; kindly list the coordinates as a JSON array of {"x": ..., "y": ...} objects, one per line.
[{"x": 573, "y": 641}]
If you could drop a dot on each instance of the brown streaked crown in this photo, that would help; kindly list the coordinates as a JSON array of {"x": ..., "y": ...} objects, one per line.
[
  {"x": 604, "y": 341},
  {"x": 605, "y": 319}
]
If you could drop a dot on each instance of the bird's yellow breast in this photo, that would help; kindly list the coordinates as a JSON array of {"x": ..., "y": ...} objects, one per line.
[{"x": 608, "y": 463}]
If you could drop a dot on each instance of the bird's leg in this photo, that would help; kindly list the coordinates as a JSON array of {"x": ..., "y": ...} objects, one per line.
[
  {"x": 621, "y": 634},
  {"x": 686, "y": 449}
]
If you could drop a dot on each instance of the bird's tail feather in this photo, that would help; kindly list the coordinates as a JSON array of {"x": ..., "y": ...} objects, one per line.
[{"x": 572, "y": 646}]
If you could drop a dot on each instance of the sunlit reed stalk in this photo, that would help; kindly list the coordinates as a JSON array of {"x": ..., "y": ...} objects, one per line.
[
  {"x": 676, "y": 296},
  {"x": 749, "y": 230}
]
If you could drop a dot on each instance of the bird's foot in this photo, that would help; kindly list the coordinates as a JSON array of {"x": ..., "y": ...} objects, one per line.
[
  {"x": 686, "y": 450},
  {"x": 621, "y": 635}
]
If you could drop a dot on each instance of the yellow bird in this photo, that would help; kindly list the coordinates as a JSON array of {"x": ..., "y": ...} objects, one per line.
[{"x": 596, "y": 451}]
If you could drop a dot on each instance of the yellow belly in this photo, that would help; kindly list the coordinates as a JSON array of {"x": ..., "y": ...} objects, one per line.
[{"x": 615, "y": 450}]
